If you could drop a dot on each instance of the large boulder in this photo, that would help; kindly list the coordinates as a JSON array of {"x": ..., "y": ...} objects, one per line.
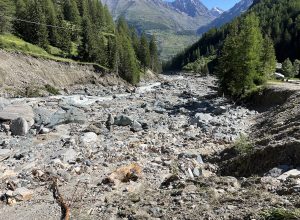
[
  {"x": 19, "y": 127},
  {"x": 123, "y": 120},
  {"x": 12, "y": 112},
  {"x": 71, "y": 115}
]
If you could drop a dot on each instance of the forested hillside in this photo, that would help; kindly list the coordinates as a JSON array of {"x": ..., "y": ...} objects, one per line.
[
  {"x": 279, "y": 20},
  {"x": 80, "y": 30}
]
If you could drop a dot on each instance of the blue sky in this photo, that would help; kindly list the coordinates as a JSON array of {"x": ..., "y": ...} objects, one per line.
[{"x": 224, "y": 4}]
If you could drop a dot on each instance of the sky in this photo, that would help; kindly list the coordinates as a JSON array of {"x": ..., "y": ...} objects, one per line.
[{"x": 223, "y": 4}]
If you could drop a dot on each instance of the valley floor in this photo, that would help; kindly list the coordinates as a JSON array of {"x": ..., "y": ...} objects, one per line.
[{"x": 165, "y": 137}]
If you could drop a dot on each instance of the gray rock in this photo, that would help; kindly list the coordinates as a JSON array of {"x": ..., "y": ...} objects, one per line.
[
  {"x": 220, "y": 110},
  {"x": 123, "y": 120},
  {"x": 201, "y": 119},
  {"x": 190, "y": 173},
  {"x": 3, "y": 103},
  {"x": 69, "y": 156},
  {"x": 19, "y": 127},
  {"x": 197, "y": 172},
  {"x": 12, "y": 112},
  {"x": 4, "y": 152},
  {"x": 136, "y": 126},
  {"x": 199, "y": 159},
  {"x": 42, "y": 116},
  {"x": 290, "y": 173},
  {"x": 89, "y": 138},
  {"x": 72, "y": 115}
]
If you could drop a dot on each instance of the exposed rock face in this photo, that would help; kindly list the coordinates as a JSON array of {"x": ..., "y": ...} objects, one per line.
[
  {"x": 19, "y": 127},
  {"x": 192, "y": 8}
]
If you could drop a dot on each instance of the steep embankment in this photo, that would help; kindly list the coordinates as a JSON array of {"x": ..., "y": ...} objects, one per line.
[
  {"x": 276, "y": 135},
  {"x": 19, "y": 71}
]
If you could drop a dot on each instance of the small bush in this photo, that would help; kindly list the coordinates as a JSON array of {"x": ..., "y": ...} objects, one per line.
[
  {"x": 281, "y": 214},
  {"x": 51, "y": 90},
  {"x": 243, "y": 145}
]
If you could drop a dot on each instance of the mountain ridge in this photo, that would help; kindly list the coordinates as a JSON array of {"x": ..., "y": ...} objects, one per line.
[{"x": 227, "y": 16}]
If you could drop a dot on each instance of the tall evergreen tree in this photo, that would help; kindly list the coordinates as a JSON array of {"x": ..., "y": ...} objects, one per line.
[
  {"x": 154, "y": 63},
  {"x": 52, "y": 21},
  {"x": 126, "y": 57},
  {"x": 37, "y": 32},
  {"x": 7, "y": 9},
  {"x": 21, "y": 13},
  {"x": 288, "y": 68},
  {"x": 241, "y": 62},
  {"x": 144, "y": 53},
  {"x": 268, "y": 58}
]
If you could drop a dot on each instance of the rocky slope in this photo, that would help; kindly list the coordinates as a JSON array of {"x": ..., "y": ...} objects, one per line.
[
  {"x": 276, "y": 134},
  {"x": 193, "y": 8},
  {"x": 129, "y": 153}
]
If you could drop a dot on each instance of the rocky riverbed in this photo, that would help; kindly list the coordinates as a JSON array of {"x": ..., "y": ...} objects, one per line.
[{"x": 130, "y": 153}]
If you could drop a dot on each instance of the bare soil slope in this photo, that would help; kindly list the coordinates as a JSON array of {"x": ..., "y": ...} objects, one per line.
[{"x": 19, "y": 71}]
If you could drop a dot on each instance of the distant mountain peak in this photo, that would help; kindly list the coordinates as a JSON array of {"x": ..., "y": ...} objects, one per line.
[
  {"x": 216, "y": 11},
  {"x": 193, "y": 8}
]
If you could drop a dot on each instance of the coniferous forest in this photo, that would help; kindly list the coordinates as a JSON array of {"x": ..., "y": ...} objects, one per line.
[
  {"x": 83, "y": 30},
  {"x": 268, "y": 31}
]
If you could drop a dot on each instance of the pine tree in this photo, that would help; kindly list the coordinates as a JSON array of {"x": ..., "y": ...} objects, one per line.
[
  {"x": 128, "y": 66},
  {"x": 154, "y": 63},
  {"x": 268, "y": 58},
  {"x": 109, "y": 22},
  {"x": 297, "y": 67},
  {"x": 51, "y": 20},
  {"x": 21, "y": 13},
  {"x": 126, "y": 61},
  {"x": 241, "y": 63},
  {"x": 71, "y": 12},
  {"x": 7, "y": 9},
  {"x": 144, "y": 53},
  {"x": 288, "y": 69},
  {"x": 135, "y": 41},
  {"x": 87, "y": 49},
  {"x": 36, "y": 33}
]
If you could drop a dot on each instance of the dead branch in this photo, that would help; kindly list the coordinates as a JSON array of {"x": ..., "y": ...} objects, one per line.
[{"x": 65, "y": 207}]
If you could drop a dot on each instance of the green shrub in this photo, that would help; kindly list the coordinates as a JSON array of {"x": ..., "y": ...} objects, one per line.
[
  {"x": 243, "y": 145},
  {"x": 52, "y": 90},
  {"x": 281, "y": 214}
]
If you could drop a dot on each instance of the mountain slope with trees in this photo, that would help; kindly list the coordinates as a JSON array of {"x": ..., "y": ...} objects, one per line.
[
  {"x": 174, "y": 24},
  {"x": 278, "y": 22},
  {"x": 81, "y": 30}
]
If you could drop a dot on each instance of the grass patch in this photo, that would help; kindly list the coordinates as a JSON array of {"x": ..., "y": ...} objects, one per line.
[
  {"x": 281, "y": 214},
  {"x": 243, "y": 145},
  {"x": 12, "y": 43}
]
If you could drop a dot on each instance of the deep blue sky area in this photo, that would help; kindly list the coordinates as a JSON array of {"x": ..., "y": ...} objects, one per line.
[{"x": 223, "y": 4}]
